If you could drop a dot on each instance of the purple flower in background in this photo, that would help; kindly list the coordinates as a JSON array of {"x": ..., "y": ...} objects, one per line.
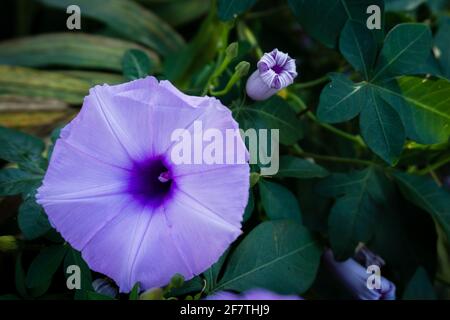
[
  {"x": 254, "y": 294},
  {"x": 276, "y": 70},
  {"x": 113, "y": 192},
  {"x": 354, "y": 277}
]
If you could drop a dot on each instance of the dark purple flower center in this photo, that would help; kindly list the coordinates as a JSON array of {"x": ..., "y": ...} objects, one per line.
[
  {"x": 150, "y": 182},
  {"x": 277, "y": 69}
]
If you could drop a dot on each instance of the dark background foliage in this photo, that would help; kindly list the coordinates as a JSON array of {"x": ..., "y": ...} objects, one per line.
[{"x": 364, "y": 132}]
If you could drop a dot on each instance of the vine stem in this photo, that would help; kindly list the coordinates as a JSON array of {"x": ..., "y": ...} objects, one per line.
[
  {"x": 356, "y": 139},
  {"x": 435, "y": 166},
  {"x": 309, "y": 84},
  {"x": 332, "y": 158}
]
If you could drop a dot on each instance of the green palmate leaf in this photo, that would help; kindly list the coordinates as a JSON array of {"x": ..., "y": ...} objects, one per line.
[
  {"x": 424, "y": 193},
  {"x": 73, "y": 257},
  {"x": 274, "y": 113},
  {"x": 442, "y": 43},
  {"x": 341, "y": 100},
  {"x": 424, "y": 106},
  {"x": 136, "y": 64},
  {"x": 419, "y": 287},
  {"x": 278, "y": 202},
  {"x": 353, "y": 217},
  {"x": 228, "y": 9},
  {"x": 22, "y": 149},
  {"x": 35, "y": 83},
  {"x": 15, "y": 181},
  {"x": 405, "y": 47},
  {"x": 68, "y": 49},
  {"x": 359, "y": 46},
  {"x": 43, "y": 268},
  {"x": 294, "y": 167},
  {"x": 324, "y": 19},
  {"x": 382, "y": 128},
  {"x": 281, "y": 256},
  {"x": 33, "y": 221},
  {"x": 128, "y": 19}
]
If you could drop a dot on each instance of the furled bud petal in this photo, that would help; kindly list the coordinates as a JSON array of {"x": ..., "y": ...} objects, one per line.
[
  {"x": 276, "y": 70},
  {"x": 354, "y": 277},
  {"x": 104, "y": 287}
]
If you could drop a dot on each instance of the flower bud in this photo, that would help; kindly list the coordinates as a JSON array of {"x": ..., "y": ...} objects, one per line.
[{"x": 276, "y": 70}]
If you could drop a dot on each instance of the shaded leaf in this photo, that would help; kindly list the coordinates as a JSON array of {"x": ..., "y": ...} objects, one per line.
[
  {"x": 128, "y": 19},
  {"x": 278, "y": 202},
  {"x": 15, "y": 181},
  {"x": 426, "y": 194},
  {"x": 382, "y": 128},
  {"x": 136, "y": 64},
  {"x": 420, "y": 287},
  {"x": 68, "y": 49},
  {"x": 406, "y": 46},
  {"x": 43, "y": 267},
  {"x": 274, "y": 113},
  {"x": 358, "y": 45},
  {"x": 33, "y": 221},
  {"x": 270, "y": 257},
  {"x": 341, "y": 100},
  {"x": 294, "y": 167},
  {"x": 228, "y": 9}
]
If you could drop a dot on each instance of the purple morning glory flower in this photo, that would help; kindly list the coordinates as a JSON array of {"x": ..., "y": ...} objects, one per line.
[
  {"x": 254, "y": 294},
  {"x": 114, "y": 194},
  {"x": 276, "y": 70},
  {"x": 354, "y": 277}
]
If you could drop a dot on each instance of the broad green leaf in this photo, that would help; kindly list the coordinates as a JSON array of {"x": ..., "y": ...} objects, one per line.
[
  {"x": 324, "y": 19},
  {"x": 43, "y": 268},
  {"x": 272, "y": 256},
  {"x": 382, "y": 128},
  {"x": 274, "y": 113},
  {"x": 45, "y": 84},
  {"x": 420, "y": 287},
  {"x": 294, "y": 167},
  {"x": 424, "y": 106},
  {"x": 73, "y": 257},
  {"x": 442, "y": 44},
  {"x": 359, "y": 46},
  {"x": 406, "y": 46},
  {"x": 75, "y": 50},
  {"x": 228, "y": 9},
  {"x": 406, "y": 238},
  {"x": 424, "y": 193},
  {"x": 33, "y": 221},
  {"x": 341, "y": 99},
  {"x": 128, "y": 19},
  {"x": 278, "y": 202},
  {"x": 250, "y": 206},
  {"x": 15, "y": 181},
  {"x": 136, "y": 64},
  {"x": 194, "y": 286},
  {"x": 212, "y": 274},
  {"x": 20, "y": 277},
  {"x": 403, "y": 5},
  {"x": 21, "y": 148},
  {"x": 353, "y": 217},
  {"x": 169, "y": 11}
]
